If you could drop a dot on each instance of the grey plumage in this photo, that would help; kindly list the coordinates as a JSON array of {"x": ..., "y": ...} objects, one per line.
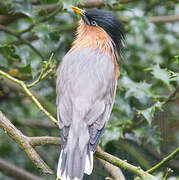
[{"x": 85, "y": 91}]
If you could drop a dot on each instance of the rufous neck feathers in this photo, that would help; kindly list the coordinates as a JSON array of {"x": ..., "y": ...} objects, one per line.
[{"x": 92, "y": 37}]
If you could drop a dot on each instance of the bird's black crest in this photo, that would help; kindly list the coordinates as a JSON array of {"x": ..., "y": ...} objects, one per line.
[{"x": 110, "y": 23}]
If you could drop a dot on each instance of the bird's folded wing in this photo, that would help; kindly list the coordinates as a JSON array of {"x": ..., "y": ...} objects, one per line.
[{"x": 85, "y": 86}]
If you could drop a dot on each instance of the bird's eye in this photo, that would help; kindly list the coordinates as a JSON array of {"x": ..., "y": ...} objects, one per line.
[{"x": 93, "y": 23}]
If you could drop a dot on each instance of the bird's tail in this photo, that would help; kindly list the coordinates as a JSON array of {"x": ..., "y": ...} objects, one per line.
[{"x": 73, "y": 163}]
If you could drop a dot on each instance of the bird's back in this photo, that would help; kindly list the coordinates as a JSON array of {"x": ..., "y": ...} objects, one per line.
[{"x": 85, "y": 73}]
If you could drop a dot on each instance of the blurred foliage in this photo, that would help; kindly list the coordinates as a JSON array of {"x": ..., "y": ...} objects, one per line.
[{"x": 146, "y": 107}]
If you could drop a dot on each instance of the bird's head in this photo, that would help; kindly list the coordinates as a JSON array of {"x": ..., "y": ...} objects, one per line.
[{"x": 107, "y": 21}]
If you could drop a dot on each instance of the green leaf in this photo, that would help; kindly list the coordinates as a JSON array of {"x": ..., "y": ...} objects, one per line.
[
  {"x": 148, "y": 113},
  {"x": 110, "y": 134},
  {"x": 35, "y": 68},
  {"x": 174, "y": 76},
  {"x": 25, "y": 8},
  {"x": 42, "y": 31},
  {"x": 26, "y": 69},
  {"x": 161, "y": 74},
  {"x": 3, "y": 61},
  {"x": 24, "y": 54},
  {"x": 110, "y": 2},
  {"x": 140, "y": 24},
  {"x": 148, "y": 135},
  {"x": 9, "y": 53},
  {"x": 5, "y": 7},
  {"x": 140, "y": 90}
]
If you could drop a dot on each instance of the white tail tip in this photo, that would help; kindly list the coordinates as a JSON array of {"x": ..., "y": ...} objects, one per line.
[{"x": 89, "y": 164}]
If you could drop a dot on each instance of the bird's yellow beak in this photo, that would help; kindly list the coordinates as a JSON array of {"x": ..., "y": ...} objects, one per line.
[{"x": 77, "y": 10}]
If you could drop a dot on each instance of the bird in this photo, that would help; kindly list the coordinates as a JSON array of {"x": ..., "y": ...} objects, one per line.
[{"x": 86, "y": 88}]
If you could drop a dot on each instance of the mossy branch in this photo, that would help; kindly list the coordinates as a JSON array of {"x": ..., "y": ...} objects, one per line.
[
  {"x": 24, "y": 144},
  {"x": 38, "y": 141},
  {"x": 122, "y": 164},
  {"x": 28, "y": 144}
]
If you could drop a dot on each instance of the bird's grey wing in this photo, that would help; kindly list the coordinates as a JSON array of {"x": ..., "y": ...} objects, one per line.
[
  {"x": 85, "y": 85},
  {"x": 99, "y": 115},
  {"x": 96, "y": 129}
]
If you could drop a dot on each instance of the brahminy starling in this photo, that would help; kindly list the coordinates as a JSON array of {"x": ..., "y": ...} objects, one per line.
[{"x": 86, "y": 89}]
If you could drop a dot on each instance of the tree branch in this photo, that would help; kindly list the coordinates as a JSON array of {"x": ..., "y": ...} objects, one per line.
[
  {"x": 28, "y": 144},
  {"x": 16, "y": 172},
  {"x": 5, "y": 20},
  {"x": 28, "y": 92},
  {"x": 24, "y": 144},
  {"x": 122, "y": 164},
  {"x": 37, "y": 141},
  {"x": 12, "y": 32},
  {"x": 45, "y": 140},
  {"x": 113, "y": 170},
  {"x": 50, "y": 7},
  {"x": 164, "y": 161},
  {"x": 164, "y": 19},
  {"x": 174, "y": 164}
]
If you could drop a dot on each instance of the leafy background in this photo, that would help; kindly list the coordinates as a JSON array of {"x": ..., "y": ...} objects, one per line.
[{"x": 144, "y": 125}]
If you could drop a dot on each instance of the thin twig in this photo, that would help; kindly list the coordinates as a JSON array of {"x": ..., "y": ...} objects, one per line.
[
  {"x": 171, "y": 96},
  {"x": 164, "y": 161},
  {"x": 174, "y": 164},
  {"x": 28, "y": 92},
  {"x": 169, "y": 170},
  {"x": 43, "y": 73}
]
